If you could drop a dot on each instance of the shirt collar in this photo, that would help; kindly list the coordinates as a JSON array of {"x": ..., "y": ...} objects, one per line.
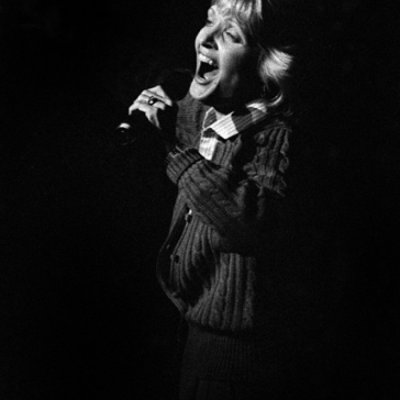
[{"x": 237, "y": 121}]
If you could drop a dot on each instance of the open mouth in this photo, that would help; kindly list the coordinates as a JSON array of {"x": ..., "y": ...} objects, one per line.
[{"x": 208, "y": 68}]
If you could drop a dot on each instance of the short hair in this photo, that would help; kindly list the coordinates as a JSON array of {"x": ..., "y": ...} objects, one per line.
[{"x": 258, "y": 21}]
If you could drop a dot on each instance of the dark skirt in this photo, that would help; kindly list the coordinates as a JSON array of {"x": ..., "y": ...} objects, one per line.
[{"x": 219, "y": 366}]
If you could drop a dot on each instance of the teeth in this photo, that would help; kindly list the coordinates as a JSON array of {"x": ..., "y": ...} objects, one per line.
[{"x": 206, "y": 60}]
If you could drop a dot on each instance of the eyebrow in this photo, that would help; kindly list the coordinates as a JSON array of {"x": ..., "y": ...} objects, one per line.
[{"x": 230, "y": 22}]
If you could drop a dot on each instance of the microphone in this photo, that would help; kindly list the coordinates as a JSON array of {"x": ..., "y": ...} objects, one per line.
[
  {"x": 175, "y": 83},
  {"x": 128, "y": 130}
]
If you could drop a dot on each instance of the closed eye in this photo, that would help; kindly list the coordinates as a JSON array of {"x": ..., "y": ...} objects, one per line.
[{"x": 233, "y": 36}]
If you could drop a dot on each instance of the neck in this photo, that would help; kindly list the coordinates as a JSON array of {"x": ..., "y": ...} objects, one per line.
[
  {"x": 222, "y": 110},
  {"x": 220, "y": 114}
]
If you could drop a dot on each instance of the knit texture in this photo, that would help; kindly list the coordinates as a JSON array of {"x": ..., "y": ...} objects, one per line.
[
  {"x": 225, "y": 357},
  {"x": 213, "y": 263}
]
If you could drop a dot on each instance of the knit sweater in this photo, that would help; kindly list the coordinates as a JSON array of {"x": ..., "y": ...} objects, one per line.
[{"x": 214, "y": 263}]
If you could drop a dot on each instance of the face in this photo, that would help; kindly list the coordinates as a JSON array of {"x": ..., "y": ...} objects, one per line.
[{"x": 226, "y": 65}]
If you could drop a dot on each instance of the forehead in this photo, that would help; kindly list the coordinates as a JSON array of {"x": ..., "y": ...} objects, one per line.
[
  {"x": 222, "y": 11},
  {"x": 233, "y": 13}
]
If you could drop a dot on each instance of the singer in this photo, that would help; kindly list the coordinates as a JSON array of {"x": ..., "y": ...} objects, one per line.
[{"x": 228, "y": 156}]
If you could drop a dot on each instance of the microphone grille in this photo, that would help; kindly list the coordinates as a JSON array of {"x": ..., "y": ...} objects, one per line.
[{"x": 176, "y": 83}]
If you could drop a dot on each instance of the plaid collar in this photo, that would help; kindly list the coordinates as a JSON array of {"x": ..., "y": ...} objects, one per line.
[{"x": 237, "y": 121}]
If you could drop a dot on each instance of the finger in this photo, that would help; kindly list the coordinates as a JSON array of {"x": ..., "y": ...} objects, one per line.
[
  {"x": 133, "y": 107},
  {"x": 141, "y": 103},
  {"x": 153, "y": 118},
  {"x": 160, "y": 105},
  {"x": 153, "y": 98},
  {"x": 158, "y": 93},
  {"x": 151, "y": 112},
  {"x": 155, "y": 102}
]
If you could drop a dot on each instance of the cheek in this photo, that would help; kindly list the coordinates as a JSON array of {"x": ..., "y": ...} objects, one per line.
[
  {"x": 240, "y": 76},
  {"x": 247, "y": 69},
  {"x": 237, "y": 69}
]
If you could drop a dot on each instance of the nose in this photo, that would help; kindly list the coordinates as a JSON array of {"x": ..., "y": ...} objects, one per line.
[{"x": 209, "y": 36}]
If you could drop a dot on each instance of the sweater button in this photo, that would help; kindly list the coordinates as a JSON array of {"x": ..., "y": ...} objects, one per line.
[{"x": 188, "y": 216}]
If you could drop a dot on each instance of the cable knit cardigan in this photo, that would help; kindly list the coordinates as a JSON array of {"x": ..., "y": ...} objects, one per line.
[{"x": 214, "y": 263}]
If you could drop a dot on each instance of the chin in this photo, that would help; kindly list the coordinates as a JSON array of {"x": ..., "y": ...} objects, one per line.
[
  {"x": 204, "y": 92},
  {"x": 210, "y": 95}
]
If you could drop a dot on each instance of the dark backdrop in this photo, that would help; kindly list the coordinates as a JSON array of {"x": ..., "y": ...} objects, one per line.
[{"x": 82, "y": 218}]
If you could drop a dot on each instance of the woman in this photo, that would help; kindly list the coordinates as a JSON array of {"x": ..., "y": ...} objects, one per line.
[{"x": 228, "y": 158}]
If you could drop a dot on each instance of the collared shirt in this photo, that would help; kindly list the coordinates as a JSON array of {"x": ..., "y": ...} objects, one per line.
[{"x": 215, "y": 130}]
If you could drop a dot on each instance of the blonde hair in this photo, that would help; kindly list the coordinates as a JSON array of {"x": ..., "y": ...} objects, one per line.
[{"x": 256, "y": 18}]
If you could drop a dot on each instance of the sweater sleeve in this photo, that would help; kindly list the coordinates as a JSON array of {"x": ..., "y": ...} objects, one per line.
[{"x": 239, "y": 201}]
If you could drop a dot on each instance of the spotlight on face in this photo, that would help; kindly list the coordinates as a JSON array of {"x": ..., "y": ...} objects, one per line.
[{"x": 226, "y": 67}]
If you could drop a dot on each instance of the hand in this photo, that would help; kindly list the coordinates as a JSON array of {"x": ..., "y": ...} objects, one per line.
[{"x": 156, "y": 105}]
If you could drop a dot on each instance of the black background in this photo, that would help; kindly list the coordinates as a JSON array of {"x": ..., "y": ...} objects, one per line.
[{"x": 82, "y": 218}]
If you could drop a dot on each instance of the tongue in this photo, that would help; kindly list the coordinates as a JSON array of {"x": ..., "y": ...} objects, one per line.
[{"x": 209, "y": 72}]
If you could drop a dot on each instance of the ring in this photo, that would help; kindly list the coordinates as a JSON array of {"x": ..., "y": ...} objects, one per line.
[{"x": 151, "y": 100}]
